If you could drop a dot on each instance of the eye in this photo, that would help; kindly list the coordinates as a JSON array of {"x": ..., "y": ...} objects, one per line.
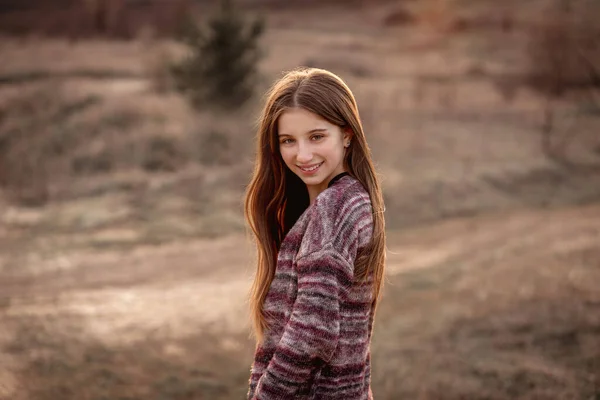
[
  {"x": 286, "y": 141},
  {"x": 317, "y": 136}
]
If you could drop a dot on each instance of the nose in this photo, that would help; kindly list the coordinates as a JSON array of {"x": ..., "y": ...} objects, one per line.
[{"x": 304, "y": 153}]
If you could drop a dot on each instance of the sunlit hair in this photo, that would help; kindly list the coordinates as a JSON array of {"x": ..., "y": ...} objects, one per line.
[{"x": 276, "y": 197}]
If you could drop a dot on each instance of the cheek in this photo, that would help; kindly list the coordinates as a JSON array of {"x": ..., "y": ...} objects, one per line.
[
  {"x": 336, "y": 149},
  {"x": 285, "y": 155}
]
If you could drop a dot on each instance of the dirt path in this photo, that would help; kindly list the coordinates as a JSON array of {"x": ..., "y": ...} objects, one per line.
[
  {"x": 474, "y": 241},
  {"x": 178, "y": 288}
]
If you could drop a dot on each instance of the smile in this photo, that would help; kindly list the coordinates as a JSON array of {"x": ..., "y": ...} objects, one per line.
[{"x": 312, "y": 168}]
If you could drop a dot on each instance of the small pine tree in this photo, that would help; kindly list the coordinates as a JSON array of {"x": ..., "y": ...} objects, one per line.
[{"x": 221, "y": 69}]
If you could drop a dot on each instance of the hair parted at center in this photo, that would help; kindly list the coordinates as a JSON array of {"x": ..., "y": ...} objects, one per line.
[{"x": 276, "y": 197}]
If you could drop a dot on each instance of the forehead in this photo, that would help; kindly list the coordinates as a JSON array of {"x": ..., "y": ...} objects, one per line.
[{"x": 296, "y": 121}]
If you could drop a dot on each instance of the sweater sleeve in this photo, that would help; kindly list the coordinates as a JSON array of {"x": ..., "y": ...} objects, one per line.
[{"x": 312, "y": 332}]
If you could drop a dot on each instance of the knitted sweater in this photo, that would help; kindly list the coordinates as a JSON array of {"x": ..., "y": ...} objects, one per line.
[{"x": 317, "y": 346}]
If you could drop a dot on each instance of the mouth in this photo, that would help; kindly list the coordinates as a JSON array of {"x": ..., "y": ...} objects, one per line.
[{"x": 311, "y": 169}]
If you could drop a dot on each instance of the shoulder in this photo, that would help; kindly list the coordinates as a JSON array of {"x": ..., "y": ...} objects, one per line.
[
  {"x": 343, "y": 198},
  {"x": 341, "y": 215}
]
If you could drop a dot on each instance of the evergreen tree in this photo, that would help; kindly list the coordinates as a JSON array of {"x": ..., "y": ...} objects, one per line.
[{"x": 221, "y": 69}]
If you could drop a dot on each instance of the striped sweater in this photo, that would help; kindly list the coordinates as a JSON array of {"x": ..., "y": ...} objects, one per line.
[{"x": 320, "y": 318}]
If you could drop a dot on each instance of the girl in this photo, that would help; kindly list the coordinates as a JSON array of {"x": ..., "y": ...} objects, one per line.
[{"x": 315, "y": 207}]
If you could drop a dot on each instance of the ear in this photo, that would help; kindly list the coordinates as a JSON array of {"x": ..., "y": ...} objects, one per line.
[{"x": 347, "y": 136}]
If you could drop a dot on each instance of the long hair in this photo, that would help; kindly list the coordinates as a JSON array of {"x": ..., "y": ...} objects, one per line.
[{"x": 276, "y": 197}]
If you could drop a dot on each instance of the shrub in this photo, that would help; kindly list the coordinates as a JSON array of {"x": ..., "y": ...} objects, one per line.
[
  {"x": 163, "y": 154},
  {"x": 564, "y": 55},
  {"x": 564, "y": 51},
  {"x": 221, "y": 68},
  {"x": 92, "y": 163},
  {"x": 398, "y": 17},
  {"x": 36, "y": 138}
]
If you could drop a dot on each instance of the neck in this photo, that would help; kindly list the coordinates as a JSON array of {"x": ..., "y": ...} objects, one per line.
[
  {"x": 314, "y": 191},
  {"x": 312, "y": 195}
]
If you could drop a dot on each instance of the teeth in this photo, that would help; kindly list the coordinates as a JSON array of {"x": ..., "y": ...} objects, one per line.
[{"x": 310, "y": 169}]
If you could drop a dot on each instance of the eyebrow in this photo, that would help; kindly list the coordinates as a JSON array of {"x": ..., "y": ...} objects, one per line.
[{"x": 308, "y": 133}]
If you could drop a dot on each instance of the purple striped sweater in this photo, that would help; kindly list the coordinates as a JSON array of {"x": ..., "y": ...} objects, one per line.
[{"x": 320, "y": 318}]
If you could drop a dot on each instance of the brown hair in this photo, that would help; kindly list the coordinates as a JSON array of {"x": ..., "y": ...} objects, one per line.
[{"x": 276, "y": 197}]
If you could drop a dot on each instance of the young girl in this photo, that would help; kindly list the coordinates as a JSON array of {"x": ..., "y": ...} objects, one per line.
[{"x": 316, "y": 210}]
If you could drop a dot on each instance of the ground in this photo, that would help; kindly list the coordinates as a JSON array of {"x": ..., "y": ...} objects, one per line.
[
  {"x": 125, "y": 274},
  {"x": 498, "y": 306}
]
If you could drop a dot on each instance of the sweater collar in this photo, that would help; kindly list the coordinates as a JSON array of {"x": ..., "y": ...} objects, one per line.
[{"x": 337, "y": 178}]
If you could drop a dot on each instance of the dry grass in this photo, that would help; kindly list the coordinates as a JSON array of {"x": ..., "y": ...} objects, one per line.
[
  {"x": 58, "y": 135},
  {"x": 494, "y": 307},
  {"x": 152, "y": 368},
  {"x": 498, "y": 307}
]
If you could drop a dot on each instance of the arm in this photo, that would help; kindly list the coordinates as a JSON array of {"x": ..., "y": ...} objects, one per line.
[{"x": 312, "y": 331}]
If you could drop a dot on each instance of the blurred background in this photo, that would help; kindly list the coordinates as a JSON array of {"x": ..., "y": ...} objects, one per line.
[{"x": 127, "y": 140}]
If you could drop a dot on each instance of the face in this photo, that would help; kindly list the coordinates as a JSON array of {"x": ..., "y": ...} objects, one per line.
[{"x": 312, "y": 148}]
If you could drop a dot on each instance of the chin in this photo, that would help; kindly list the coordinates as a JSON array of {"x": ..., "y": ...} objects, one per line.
[{"x": 312, "y": 179}]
